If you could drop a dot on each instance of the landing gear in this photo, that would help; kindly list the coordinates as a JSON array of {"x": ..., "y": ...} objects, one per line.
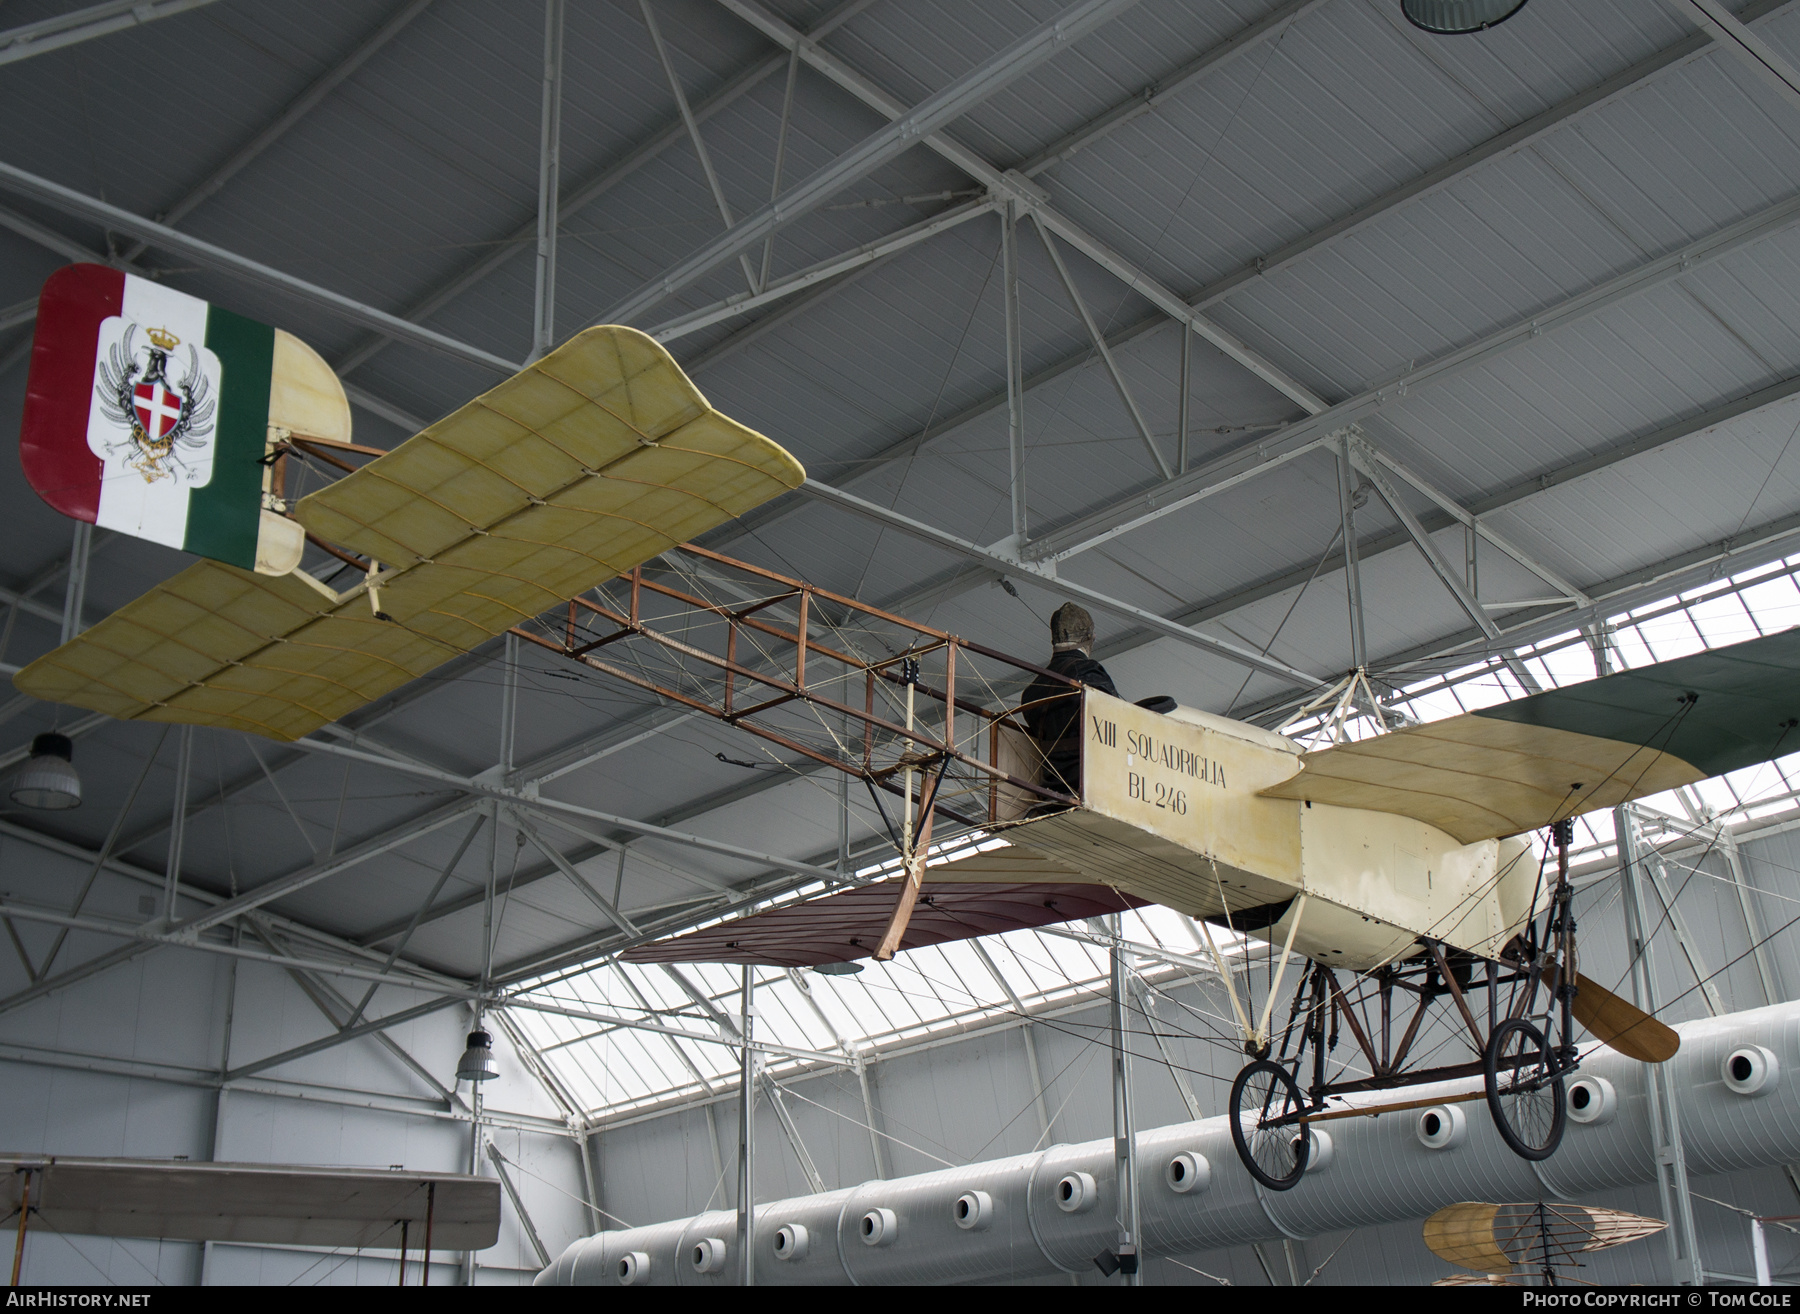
[
  {"x": 1524, "y": 1078},
  {"x": 1271, "y": 1139},
  {"x": 1523, "y": 1048}
]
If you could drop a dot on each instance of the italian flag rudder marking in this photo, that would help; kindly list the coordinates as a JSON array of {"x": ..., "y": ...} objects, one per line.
[
  {"x": 147, "y": 412},
  {"x": 224, "y": 515}
]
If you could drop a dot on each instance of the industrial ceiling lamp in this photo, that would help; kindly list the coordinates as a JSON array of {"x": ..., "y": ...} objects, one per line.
[
  {"x": 48, "y": 779},
  {"x": 838, "y": 969},
  {"x": 1455, "y": 17},
  {"x": 478, "y": 1063}
]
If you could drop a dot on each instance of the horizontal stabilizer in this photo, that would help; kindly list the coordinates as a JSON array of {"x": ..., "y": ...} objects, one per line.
[
  {"x": 986, "y": 893},
  {"x": 1519, "y": 766}
]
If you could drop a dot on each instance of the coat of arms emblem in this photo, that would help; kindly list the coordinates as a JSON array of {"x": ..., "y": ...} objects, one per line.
[{"x": 160, "y": 399}]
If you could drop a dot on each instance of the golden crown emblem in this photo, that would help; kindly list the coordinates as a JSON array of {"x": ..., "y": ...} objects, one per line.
[{"x": 164, "y": 339}]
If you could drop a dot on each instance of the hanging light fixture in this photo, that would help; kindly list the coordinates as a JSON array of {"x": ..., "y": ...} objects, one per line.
[
  {"x": 1455, "y": 17},
  {"x": 838, "y": 969},
  {"x": 48, "y": 779},
  {"x": 477, "y": 1062}
]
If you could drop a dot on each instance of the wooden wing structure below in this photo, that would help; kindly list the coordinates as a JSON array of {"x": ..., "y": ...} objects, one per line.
[
  {"x": 1000, "y": 890},
  {"x": 579, "y": 468}
]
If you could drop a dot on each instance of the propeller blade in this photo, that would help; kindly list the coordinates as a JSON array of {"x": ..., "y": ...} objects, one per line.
[{"x": 1621, "y": 1025}]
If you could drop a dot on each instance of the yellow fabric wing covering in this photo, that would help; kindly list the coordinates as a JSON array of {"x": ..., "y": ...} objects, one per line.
[
  {"x": 1477, "y": 777},
  {"x": 583, "y": 465},
  {"x": 1522, "y": 764}
]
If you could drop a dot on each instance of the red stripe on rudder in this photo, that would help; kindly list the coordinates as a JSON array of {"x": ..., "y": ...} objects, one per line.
[{"x": 53, "y": 445}]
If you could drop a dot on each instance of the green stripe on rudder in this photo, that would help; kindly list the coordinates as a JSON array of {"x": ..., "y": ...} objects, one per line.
[
  {"x": 224, "y": 516},
  {"x": 1749, "y": 700}
]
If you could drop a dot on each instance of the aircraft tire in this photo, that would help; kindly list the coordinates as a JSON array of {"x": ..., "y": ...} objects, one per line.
[{"x": 1266, "y": 1105}]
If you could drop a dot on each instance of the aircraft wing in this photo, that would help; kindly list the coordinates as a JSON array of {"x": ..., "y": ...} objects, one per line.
[
  {"x": 583, "y": 465},
  {"x": 1521, "y": 765},
  {"x": 984, "y": 894}
]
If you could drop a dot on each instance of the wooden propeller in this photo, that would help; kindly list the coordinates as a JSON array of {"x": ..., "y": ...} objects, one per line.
[{"x": 1621, "y": 1025}]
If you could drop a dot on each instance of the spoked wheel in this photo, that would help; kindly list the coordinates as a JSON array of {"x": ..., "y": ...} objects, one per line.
[
  {"x": 1266, "y": 1127},
  {"x": 1524, "y": 1089}
]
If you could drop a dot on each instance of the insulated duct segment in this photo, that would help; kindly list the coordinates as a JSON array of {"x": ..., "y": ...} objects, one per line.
[{"x": 1056, "y": 1210}]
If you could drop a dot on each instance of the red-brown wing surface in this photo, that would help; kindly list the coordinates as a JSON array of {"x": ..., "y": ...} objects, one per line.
[{"x": 838, "y": 928}]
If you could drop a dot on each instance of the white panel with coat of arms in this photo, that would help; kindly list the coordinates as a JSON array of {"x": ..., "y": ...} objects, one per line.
[{"x": 153, "y": 416}]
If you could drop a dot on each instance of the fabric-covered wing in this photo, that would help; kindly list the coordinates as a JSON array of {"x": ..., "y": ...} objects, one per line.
[
  {"x": 1521, "y": 765},
  {"x": 585, "y": 464},
  {"x": 220, "y": 646},
  {"x": 1001, "y": 890}
]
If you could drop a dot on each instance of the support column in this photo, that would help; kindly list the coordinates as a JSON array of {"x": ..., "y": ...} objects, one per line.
[
  {"x": 543, "y": 319},
  {"x": 1665, "y": 1123},
  {"x": 746, "y": 1198},
  {"x": 1124, "y": 1131},
  {"x": 1015, "y": 370},
  {"x": 184, "y": 762},
  {"x": 843, "y": 795},
  {"x": 1753, "y": 923},
  {"x": 1184, "y": 411},
  {"x": 487, "y": 957},
  {"x": 1359, "y": 653},
  {"x": 75, "y": 589},
  {"x": 587, "y": 1176},
  {"x": 218, "y": 1110},
  {"x": 876, "y": 1148}
]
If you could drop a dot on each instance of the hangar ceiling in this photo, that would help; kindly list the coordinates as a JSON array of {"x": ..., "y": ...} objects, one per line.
[{"x": 1524, "y": 301}]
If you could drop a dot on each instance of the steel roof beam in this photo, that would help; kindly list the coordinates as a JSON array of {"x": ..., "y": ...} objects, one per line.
[
  {"x": 1729, "y": 31},
  {"x": 1016, "y": 187},
  {"x": 907, "y": 128},
  {"x": 138, "y": 931},
  {"x": 368, "y": 1028},
  {"x": 598, "y": 844},
  {"x": 1471, "y": 521},
  {"x": 336, "y": 1009},
  {"x": 580, "y": 954},
  {"x": 524, "y": 1000},
  {"x": 1482, "y": 508},
  {"x": 867, "y": 253},
  {"x": 47, "y": 34},
  {"x": 599, "y": 185},
  {"x": 424, "y": 978},
  {"x": 297, "y": 109},
  {"x": 314, "y": 872},
  {"x": 1098, "y": 338},
  {"x": 540, "y": 1067},
  {"x": 1223, "y": 471},
  {"x": 480, "y": 788},
  {"x": 1669, "y": 577},
  {"x": 1152, "y": 98},
  {"x": 81, "y": 206},
  {"x": 1079, "y": 592},
  {"x": 1672, "y": 575},
  {"x": 1501, "y": 145},
  {"x": 1447, "y": 574}
]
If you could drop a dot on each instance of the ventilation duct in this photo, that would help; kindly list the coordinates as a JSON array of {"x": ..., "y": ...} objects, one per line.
[{"x": 1383, "y": 1172}]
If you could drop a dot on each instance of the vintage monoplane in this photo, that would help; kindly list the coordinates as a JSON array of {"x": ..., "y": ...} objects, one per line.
[
  {"x": 559, "y": 506},
  {"x": 1399, "y": 867}
]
